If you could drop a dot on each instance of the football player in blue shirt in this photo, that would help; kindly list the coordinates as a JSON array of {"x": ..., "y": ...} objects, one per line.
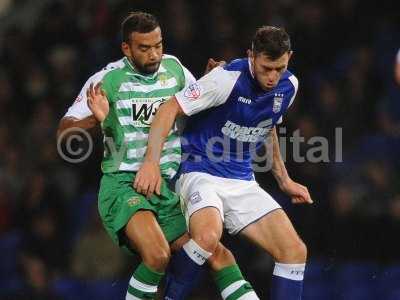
[{"x": 232, "y": 112}]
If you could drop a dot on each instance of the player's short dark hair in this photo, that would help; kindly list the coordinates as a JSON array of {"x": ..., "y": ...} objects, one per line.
[
  {"x": 138, "y": 21},
  {"x": 271, "y": 41}
]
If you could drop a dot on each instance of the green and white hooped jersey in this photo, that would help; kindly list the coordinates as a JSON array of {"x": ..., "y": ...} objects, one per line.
[{"x": 134, "y": 100}]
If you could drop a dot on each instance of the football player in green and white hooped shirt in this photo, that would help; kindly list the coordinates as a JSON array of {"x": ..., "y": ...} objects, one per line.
[{"x": 124, "y": 97}]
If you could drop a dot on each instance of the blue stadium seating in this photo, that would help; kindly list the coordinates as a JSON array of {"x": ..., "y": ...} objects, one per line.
[
  {"x": 10, "y": 280},
  {"x": 318, "y": 280},
  {"x": 73, "y": 289}
]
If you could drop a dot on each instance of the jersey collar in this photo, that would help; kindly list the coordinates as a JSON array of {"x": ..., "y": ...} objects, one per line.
[
  {"x": 250, "y": 69},
  {"x": 253, "y": 78},
  {"x": 153, "y": 76}
]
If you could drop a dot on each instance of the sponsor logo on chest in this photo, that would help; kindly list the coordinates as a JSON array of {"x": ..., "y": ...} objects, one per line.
[
  {"x": 247, "y": 134},
  {"x": 144, "y": 110}
]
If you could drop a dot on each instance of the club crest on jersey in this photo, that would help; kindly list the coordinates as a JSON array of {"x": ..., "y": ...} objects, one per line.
[
  {"x": 278, "y": 99},
  {"x": 163, "y": 79},
  {"x": 192, "y": 91}
]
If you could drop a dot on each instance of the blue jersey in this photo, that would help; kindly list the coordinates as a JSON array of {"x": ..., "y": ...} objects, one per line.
[{"x": 230, "y": 118}]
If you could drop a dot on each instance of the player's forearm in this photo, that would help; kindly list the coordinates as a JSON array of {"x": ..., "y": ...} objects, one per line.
[
  {"x": 278, "y": 166},
  {"x": 160, "y": 128},
  {"x": 69, "y": 122}
]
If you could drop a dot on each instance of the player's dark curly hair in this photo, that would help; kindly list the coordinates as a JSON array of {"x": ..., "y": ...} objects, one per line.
[
  {"x": 138, "y": 21},
  {"x": 271, "y": 41}
]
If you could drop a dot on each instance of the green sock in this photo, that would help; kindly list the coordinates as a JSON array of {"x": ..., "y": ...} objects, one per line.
[
  {"x": 143, "y": 283},
  {"x": 232, "y": 285}
]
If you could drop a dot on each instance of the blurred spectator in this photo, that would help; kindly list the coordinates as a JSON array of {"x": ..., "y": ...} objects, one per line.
[
  {"x": 37, "y": 278},
  {"x": 94, "y": 257},
  {"x": 41, "y": 215}
]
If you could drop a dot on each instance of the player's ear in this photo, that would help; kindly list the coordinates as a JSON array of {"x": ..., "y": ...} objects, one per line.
[
  {"x": 290, "y": 53},
  {"x": 125, "y": 49}
]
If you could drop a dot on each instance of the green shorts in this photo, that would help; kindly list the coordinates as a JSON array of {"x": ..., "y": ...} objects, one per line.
[{"x": 118, "y": 202}]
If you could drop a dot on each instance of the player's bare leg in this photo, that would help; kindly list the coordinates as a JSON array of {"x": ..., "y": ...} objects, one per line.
[
  {"x": 185, "y": 269},
  {"x": 275, "y": 234},
  {"x": 221, "y": 258},
  {"x": 146, "y": 237},
  {"x": 179, "y": 242},
  {"x": 205, "y": 226},
  {"x": 220, "y": 262}
]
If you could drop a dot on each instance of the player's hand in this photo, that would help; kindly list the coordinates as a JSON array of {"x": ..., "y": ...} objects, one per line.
[
  {"x": 211, "y": 64},
  {"x": 148, "y": 179},
  {"x": 299, "y": 193},
  {"x": 97, "y": 102}
]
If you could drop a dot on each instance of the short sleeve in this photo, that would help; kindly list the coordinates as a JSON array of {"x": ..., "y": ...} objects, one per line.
[
  {"x": 80, "y": 109},
  {"x": 295, "y": 82},
  {"x": 213, "y": 89},
  {"x": 189, "y": 78}
]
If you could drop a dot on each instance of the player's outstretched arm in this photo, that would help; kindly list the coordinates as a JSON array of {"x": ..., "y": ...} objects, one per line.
[
  {"x": 148, "y": 178},
  {"x": 299, "y": 193}
]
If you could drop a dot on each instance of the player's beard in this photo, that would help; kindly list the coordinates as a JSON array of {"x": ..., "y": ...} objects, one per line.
[
  {"x": 147, "y": 69},
  {"x": 151, "y": 68}
]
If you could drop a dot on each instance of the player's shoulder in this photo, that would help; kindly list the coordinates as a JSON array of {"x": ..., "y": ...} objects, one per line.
[
  {"x": 171, "y": 63},
  {"x": 240, "y": 64},
  {"x": 236, "y": 71},
  {"x": 168, "y": 59},
  {"x": 118, "y": 64},
  {"x": 110, "y": 67},
  {"x": 229, "y": 72},
  {"x": 236, "y": 68},
  {"x": 290, "y": 79},
  {"x": 117, "y": 70}
]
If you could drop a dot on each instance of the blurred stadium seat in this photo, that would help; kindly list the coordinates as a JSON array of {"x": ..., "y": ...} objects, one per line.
[
  {"x": 357, "y": 281},
  {"x": 318, "y": 280},
  {"x": 10, "y": 279}
]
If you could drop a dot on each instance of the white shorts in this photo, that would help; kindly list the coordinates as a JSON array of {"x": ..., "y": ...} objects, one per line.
[{"x": 240, "y": 202}]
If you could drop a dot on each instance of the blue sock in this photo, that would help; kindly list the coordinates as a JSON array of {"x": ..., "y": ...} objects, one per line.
[
  {"x": 184, "y": 271},
  {"x": 287, "y": 281}
]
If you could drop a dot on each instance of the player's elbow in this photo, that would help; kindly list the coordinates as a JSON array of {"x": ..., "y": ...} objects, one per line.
[
  {"x": 64, "y": 124},
  {"x": 60, "y": 130},
  {"x": 170, "y": 109}
]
